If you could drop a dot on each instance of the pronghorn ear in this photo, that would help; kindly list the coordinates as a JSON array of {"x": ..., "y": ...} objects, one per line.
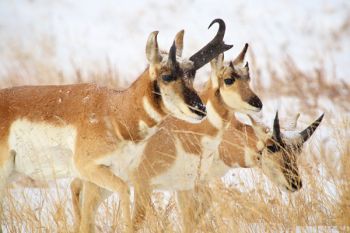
[
  {"x": 306, "y": 133},
  {"x": 152, "y": 50},
  {"x": 217, "y": 63},
  {"x": 239, "y": 60},
  {"x": 179, "y": 42}
]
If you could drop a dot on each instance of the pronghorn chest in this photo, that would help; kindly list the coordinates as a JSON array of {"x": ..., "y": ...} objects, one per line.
[
  {"x": 218, "y": 168},
  {"x": 188, "y": 168},
  {"x": 124, "y": 159},
  {"x": 42, "y": 151}
]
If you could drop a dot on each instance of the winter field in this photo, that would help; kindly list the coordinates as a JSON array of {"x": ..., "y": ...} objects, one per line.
[{"x": 299, "y": 57}]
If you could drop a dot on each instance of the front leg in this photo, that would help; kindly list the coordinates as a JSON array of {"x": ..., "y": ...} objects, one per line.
[
  {"x": 86, "y": 198},
  {"x": 90, "y": 201},
  {"x": 102, "y": 176},
  {"x": 76, "y": 189},
  {"x": 142, "y": 203}
]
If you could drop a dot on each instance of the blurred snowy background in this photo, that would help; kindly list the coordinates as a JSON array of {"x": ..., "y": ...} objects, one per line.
[{"x": 91, "y": 34}]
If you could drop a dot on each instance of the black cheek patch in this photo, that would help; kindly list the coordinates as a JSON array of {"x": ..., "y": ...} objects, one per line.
[
  {"x": 156, "y": 91},
  {"x": 193, "y": 100}
]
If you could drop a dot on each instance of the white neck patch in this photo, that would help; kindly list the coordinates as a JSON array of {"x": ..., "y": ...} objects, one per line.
[
  {"x": 152, "y": 113},
  {"x": 213, "y": 117}
]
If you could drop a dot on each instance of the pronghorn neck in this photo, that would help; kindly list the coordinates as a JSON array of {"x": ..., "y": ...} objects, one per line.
[
  {"x": 218, "y": 115},
  {"x": 240, "y": 146},
  {"x": 144, "y": 109}
]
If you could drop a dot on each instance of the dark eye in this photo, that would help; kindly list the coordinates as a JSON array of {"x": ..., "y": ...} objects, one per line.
[
  {"x": 229, "y": 81},
  {"x": 167, "y": 78},
  {"x": 273, "y": 148}
]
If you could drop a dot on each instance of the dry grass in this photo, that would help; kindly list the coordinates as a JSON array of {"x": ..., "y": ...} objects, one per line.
[{"x": 253, "y": 204}]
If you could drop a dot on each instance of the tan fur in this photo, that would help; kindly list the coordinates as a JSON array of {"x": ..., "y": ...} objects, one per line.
[
  {"x": 104, "y": 120},
  {"x": 235, "y": 140},
  {"x": 75, "y": 105},
  {"x": 160, "y": 156},
  {"x": 160, "y": 153}
]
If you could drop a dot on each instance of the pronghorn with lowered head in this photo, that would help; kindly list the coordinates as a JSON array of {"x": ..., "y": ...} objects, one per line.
[
  {"x": 250, "y": 146},
  {"x": 180, "y": 154},
  {"x": 50, "y": 132}
]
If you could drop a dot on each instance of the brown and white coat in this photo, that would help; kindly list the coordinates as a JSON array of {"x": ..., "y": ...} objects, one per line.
[{"x": 49, "y": 132}]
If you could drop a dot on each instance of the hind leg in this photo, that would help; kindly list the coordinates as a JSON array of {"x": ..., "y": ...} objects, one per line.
[
  {"x": 7, "y": 164},
  {"x": 76, "y": 188}
]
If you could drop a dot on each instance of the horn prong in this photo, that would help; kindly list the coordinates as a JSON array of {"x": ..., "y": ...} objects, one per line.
[
  {"x": 306, "y": 133},
  {"x": 213, "y": 48},
  {"x": 277, "y": 130},
  {"x": 172, "y": 55}
]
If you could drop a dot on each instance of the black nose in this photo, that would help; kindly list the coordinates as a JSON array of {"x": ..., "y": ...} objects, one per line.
[{"x": 256, "y": 102}]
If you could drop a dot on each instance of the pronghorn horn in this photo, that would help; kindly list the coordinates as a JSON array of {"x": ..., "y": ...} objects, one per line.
[
  {"x": 172, "y": 56},
  {"x": 213, "y": 48},
  {"x": 152, "y": 50},
  {"x": 276, "y": 134},
  {"x": 306, "y": 133},
  {"x": 179, "y": 42},
  {"x": 238, "y": 61}
]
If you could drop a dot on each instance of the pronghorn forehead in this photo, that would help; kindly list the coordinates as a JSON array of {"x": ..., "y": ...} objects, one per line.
[
  {"x": 292, "y": 138},
  {"x": 184, "y": 63},
  {"x": 236, "y": 72}
]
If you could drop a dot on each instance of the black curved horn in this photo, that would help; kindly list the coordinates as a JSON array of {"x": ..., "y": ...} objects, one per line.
[
  {"x": 213, "y": 48},
  {"x": 172, "y": 55},
  {"x": 306, "y": 133},
  {"x": 276, "y": 130}
]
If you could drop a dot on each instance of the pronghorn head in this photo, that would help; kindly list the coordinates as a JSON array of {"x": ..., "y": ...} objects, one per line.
[
  {"x": 280, "y": 154},
  {"x": 232, "y": 83},
  {"x": 173, "y": 76}
]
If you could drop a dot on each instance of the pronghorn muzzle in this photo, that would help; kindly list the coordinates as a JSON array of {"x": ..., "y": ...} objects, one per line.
[{"x": 256, "y": 102}]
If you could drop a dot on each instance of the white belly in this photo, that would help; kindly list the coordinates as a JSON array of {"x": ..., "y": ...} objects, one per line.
[
  {"x": 43, "y": 151},
  {"x": 188, "y": 168}
]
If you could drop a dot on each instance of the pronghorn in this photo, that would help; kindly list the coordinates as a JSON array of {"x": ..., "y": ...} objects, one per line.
[
  {"x": 181, "y": 153},
  {"x": 50, "y": 132},
  {"x": 250, "y": 146}
]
